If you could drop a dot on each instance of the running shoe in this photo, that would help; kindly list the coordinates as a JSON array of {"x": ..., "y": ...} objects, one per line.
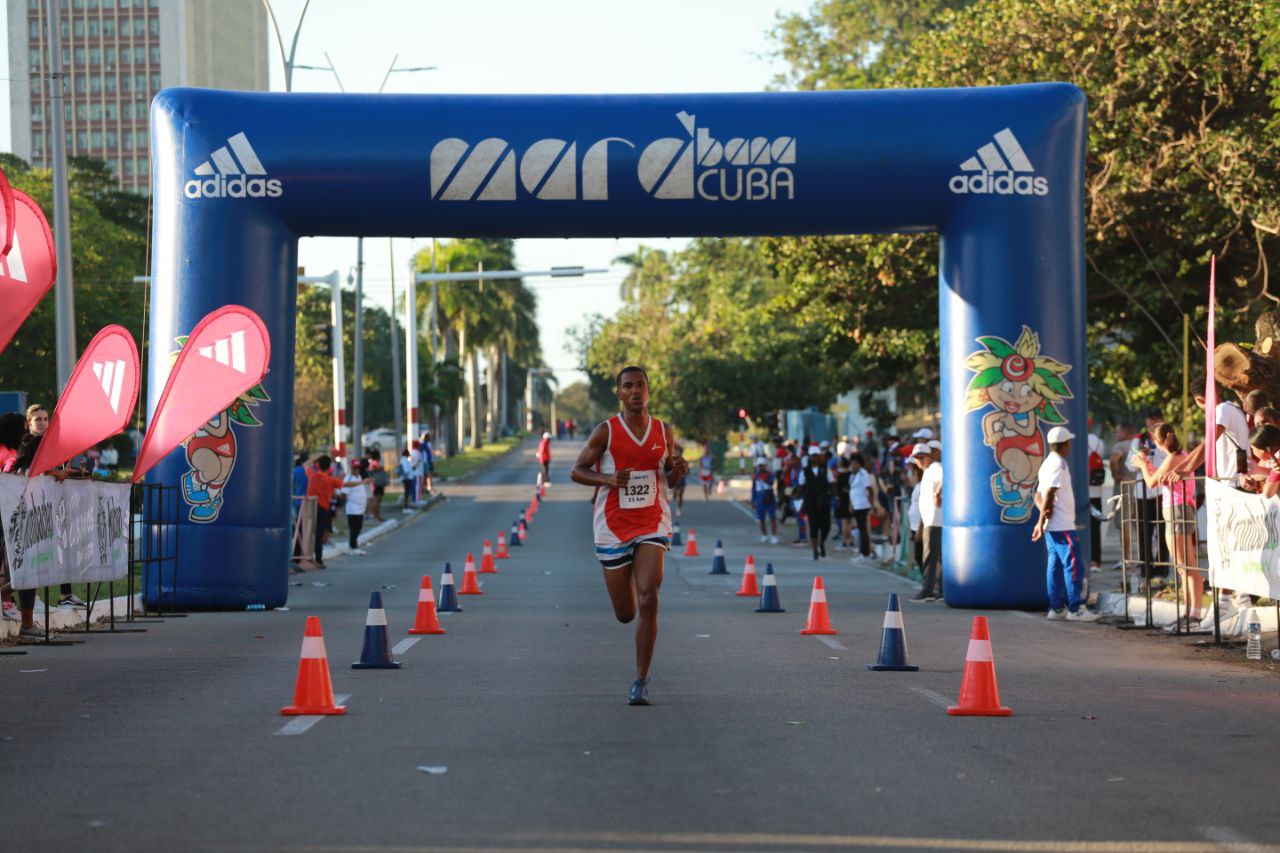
[
  {"x": 1084, "y": 614},
  {"x": 11, "y": 613},
  {"x": 773, "y": 540},
  {"x": 1056, "y": 615},
  {"x": 32, "y": 633},
  {"x": 639, "y": 693},
  {"x": 73, "y": 600},
  {"x": 764, "y": 538}
]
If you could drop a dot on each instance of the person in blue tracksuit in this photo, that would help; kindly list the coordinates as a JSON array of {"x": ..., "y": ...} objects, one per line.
[{"x": 1057, "y": 526}]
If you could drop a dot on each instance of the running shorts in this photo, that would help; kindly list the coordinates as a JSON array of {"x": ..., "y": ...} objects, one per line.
[{"x": 621, "y": 555}]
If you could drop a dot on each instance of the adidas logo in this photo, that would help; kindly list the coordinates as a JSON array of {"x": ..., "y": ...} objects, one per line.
[
  {"x": 12, "y": 265},
  {"x": 111, "y": 375},
  {"x": 999, "y": 168},
  {"x": 227, "y": 176},
  {"x": 228, "y": 351}
]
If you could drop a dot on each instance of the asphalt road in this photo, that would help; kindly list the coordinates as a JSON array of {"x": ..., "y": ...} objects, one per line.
[{"x": 759, "y": 739}]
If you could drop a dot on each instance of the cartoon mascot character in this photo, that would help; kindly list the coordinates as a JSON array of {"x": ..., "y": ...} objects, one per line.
[
  {"x": 211, "y": 453},
  {"x": 1022, "y": 387}
]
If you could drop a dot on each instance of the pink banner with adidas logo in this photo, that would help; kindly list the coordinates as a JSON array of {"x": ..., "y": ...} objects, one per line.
[
  {"x": 97, "y": 401},
  {"x": 225, "y": 355},
  {"x": 27, "y": 268}
]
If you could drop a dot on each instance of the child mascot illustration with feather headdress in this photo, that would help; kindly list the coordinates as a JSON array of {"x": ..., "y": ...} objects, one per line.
[{"x": 1022, "y": 387}]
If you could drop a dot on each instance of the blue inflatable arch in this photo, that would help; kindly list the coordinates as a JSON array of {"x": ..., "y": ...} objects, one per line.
[{"x": 998, "y": 172}]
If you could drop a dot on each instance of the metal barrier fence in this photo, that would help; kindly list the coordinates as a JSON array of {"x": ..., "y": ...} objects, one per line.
[{"x": 1160, "y": 545}]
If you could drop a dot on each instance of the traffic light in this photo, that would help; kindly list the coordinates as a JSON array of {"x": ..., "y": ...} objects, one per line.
[{"x": 322, "y": 338}]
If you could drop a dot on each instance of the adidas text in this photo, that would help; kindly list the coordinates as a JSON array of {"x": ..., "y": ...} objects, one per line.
[
  {"x": 236, "y": 186},
  {"x": 999, "y": 183}
]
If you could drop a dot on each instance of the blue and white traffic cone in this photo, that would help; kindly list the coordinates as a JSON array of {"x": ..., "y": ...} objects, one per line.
[
  {"x": 376, "y": 653},
  {"x": 893, "y": 642},
  {"x": 515, "y": 535},
  {"x": 448, "y": 595},
  {"x": 769, "y": 602},
  {"x": 717, "y": 561},
  {"x": 675, "y": 535}
]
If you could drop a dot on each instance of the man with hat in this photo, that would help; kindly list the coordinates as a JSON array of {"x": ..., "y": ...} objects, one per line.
[
  {"x": 1057, "y": 526},
  {"x": 763, "y": 500},
  {"x": 929, "y": 460}
]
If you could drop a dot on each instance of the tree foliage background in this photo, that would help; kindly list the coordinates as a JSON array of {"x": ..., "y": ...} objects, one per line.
[{"x": 1183, "y": 162}]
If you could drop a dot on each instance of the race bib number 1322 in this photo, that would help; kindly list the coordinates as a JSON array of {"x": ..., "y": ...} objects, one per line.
[{"x": 640, "y": 491}]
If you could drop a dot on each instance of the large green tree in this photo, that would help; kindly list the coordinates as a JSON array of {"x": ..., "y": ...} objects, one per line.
[{"x": 1182, "y": 163}]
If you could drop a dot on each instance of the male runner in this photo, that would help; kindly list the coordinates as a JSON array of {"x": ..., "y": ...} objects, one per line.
[{"x": 631, "y": 461}]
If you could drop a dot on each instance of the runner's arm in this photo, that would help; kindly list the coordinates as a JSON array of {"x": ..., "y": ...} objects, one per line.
[
  {"x": 678, "y": 465},
  {"x": 584, "y": 469}
]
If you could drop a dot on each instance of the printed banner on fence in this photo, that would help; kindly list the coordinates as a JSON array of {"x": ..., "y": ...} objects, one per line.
[
  {"x": 76, "y": 531},
  {"x": 1244, "y": 540}
]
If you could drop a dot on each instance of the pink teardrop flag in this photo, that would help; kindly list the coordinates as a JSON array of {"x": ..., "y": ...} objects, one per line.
[
  {"x": 28, "y": 269},
  {"x": 97, "y": 401},
  {"x": 225, "y": 355},
  {"x": 7, "y": 211}
]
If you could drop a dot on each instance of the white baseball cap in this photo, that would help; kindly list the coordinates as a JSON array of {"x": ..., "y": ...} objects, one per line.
[
  {"x": 1059, "y": 434},
  {"x": 921, "y": 450},
  {"x": 935, "y": 444},
  {"x": 924, "y": 432},
  {"x": 824, "y": 444},
  {"x": 546, "y": 435},
  {"x": 760, "y": 460}
]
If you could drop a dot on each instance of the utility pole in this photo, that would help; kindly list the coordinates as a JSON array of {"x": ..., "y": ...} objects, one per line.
[
  {"x": 64, "y": 295},
  {"x": 410, "y": 351},
  {"x": 357, "y": 370},
  {"x": 395, "y": 363}
]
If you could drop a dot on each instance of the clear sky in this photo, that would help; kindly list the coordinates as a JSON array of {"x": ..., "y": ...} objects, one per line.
[{"x": 523, "y": 46}]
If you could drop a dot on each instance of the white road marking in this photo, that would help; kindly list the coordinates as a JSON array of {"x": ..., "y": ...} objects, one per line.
[
  {"x": 748, "y": 513},
  {"x": 835, "y": 644},
  {"x": 1230, "y": 840},
  {"x": 299, "y": 725},
  {"x": 936, "y": 698},
  {"x": 404, "y": 645}
]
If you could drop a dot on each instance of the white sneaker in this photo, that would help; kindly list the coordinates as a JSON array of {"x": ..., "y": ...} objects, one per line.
[
  {"x": 1056, "y": 615},
  {"x": 764, "y": 538},
  {"x": 773, "y": 540},
  {"x": 1084, "y": 614},
  {"x": 11, "y": 613},
  {"x": 358, "y": 551}
]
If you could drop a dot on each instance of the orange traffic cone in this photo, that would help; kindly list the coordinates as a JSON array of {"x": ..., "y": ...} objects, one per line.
[
  {"x": 979, "y": 694},
  {"x": 720, "y": 489},
  {"x": 819, "y": 619},
  {"x": 469, "y": 585},
  {"x": 691, "y": 547},
  {"x": 313, "y": 693},
  {"x": 524, "y": 531},
  {"x": 426, "y": 621},
  {"x": 486, "y": 559},
  {"x": 501, "y": 551},
  {"x": 749, "y": 578}
]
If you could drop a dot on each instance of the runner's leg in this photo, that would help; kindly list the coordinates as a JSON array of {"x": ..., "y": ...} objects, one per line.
[
  {"x": 622, "y": 592},
  {"x": 647, "y": 567}
]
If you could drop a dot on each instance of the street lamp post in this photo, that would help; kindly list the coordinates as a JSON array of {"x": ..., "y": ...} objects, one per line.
[{"x": 64, "y": 295}]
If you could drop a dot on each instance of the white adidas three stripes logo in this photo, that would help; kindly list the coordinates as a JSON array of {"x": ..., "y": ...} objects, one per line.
[
  {"x": 1000, "y": 167},
  {"x": 111, "y": 375},
  {"x": 227, "y": 351},
  {"x": 226, "y": 165},
  {"x": 233, "y": 170}
]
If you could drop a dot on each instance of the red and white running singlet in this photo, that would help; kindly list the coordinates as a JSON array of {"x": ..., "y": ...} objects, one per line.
[{"x": 640, "y": 509}]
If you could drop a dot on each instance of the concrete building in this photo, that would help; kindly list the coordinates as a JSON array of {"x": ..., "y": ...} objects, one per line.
[{"x": 117, "y": 54}]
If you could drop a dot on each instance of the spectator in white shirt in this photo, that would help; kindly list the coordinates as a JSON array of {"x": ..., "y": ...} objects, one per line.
[
  {"x": 929, "y": 460},
  {"x": 355, "y": 486},
  {"x": 1231, "y": 449},
  {"x": 1057, "y": 526},
  {"x": 860, "y": 496}
]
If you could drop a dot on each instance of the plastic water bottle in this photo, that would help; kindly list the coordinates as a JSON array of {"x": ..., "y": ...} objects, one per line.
[
  {"x": 1253, "y": 630},
  {"x": 256, "y": 607}
]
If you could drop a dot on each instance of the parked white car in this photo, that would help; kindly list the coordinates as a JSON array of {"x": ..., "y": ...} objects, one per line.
[{"x": 379, "y": 439}]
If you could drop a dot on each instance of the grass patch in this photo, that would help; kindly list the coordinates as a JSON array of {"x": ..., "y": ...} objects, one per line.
[{"x": 469, "y": 460}]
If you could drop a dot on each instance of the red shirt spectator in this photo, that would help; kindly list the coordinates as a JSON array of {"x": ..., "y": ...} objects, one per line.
[{"x": 321, "y": 485}]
